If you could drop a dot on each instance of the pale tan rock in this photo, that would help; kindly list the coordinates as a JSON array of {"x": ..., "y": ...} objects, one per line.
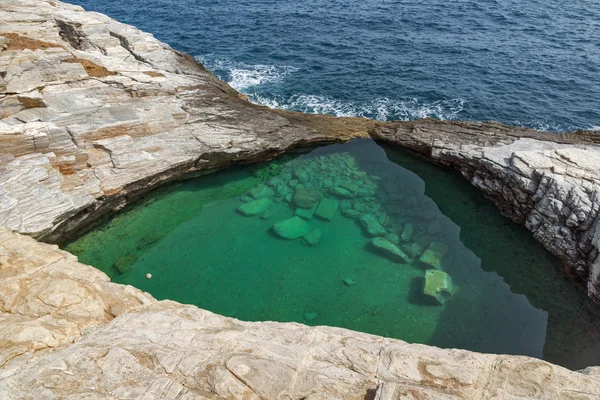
[{"x": 47, "y": 298}]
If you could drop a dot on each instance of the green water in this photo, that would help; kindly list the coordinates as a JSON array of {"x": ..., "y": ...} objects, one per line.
[{"x": 502, "y": 293}]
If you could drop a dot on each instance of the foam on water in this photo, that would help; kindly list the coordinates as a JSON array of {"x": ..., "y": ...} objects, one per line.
[
  {"x": 241, "y": 76},
  {"x": 255, "y": 80},
  {"x": 382, "y": 109}
]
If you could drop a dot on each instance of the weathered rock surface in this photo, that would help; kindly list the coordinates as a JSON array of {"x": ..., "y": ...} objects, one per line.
[
  {"x": 67, "y": 332},
  {"x": 94, "y": 113},
  {"x": 47, "y": 298}
]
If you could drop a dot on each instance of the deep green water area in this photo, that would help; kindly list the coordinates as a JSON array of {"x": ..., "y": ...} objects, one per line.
[{"x": 356, "y": 235}]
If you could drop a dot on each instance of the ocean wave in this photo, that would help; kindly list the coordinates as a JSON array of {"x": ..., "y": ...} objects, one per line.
[
  {"x": 259, "y": 81},
  {"x": 247, "y": 78},
  {"x": 382, "y": 109},
  {"x": 241, "y": 76}
]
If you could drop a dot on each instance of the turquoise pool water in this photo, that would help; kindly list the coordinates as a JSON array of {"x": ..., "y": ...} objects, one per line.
[{"x": 355, "y": 235}]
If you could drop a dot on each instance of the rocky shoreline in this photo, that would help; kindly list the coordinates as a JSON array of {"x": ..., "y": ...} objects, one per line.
[{"x": 95, "y": 114}]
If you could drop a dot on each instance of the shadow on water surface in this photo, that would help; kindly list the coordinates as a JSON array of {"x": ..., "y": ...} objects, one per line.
[
  {"x": 511, "y": 296},
  {"x": 572, "y": 322}
]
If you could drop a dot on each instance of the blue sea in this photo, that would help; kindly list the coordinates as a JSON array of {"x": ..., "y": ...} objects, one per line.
[{"x": 529, "y": 63}]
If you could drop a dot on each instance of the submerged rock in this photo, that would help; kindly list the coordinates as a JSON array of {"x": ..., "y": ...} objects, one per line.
[
  {"x": 438, "y": 286},
  {"x": 372, "y": 226},
  {"x": 349, "y": 282},
  {"x": 393, "y": 237},
  {"x": 346, "y": 204},
  {"x": 350, "y": 213},
  {"x": 255, "y": 207},
  {"x": 342, "y": 192},
  {"x": 268, "y": 213},
  {"x": 306, "y": 213},
  {"x": 306, "y": 198},
  {"x": 434, "y": 255},
  {"x": 301, "y": 175},
  {"x": 389, "y": 249},
  {"x": 362, "y": 192},
  {"x": 313, "y": 238},
  {"x": 310, "y": 316},
  {"x": 407, "y": 232},
  {"x": 327, "y": 208},
  {"x": 414, "y": 249},
  {"x": 124, "y": 263},
  {"x": 261, "y": 191},
  {"x": 350, "y": 186},
  {"x": 148, "y": 240},
  {"x": 292, "y": 228}
]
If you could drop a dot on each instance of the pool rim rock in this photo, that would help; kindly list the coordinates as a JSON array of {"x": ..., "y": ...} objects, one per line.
[{"x": 96, "y": 113}]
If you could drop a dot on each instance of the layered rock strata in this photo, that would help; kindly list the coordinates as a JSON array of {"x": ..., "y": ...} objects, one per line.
[{"x": 94, "y": 113}]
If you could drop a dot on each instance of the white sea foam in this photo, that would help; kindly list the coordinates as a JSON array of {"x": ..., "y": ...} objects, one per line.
[
  {"x": 382, "y": 109},
  {"x": 246, "y": 78},
  {"x": 242, "y": 76}
]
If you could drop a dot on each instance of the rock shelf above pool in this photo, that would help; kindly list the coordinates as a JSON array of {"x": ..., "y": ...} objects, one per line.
[{"x": 95, "y": 114}]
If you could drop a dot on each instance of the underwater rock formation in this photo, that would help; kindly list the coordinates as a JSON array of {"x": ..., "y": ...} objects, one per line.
[
  {"x": 434, "y": 255},
  {"x": 292, "y": 228},
  {"x": 438, "y": 286},
  {"x": 389, "y": 249},
  {"x": 383, "y": 211},
  {"x": 255, "y": 207}
]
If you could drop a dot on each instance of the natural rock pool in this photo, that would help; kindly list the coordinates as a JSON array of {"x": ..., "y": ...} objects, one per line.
[{"x": 355, "y": 235}]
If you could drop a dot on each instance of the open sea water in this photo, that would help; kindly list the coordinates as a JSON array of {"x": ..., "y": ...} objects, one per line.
[{"x": 529, "y": 63}]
